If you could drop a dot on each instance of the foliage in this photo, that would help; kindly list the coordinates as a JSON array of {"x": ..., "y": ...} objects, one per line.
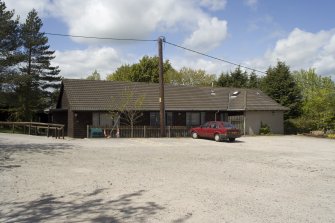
[
  {"x": 9, "y": 41},
  {"x": 238, "y": 79},
  {"x": 123, "y": 73},
  {"x": 127, "y": 106},
  {"x": 10, "y": 57},
  {"x": 264, "y": 129},
  {"x": 280, "y": 85},
  {"x": 27, "y": 77},
  {"x": 146, "y": 70},
  {"x": 318, "y": 106},
  {"x": 94, "y": 76},
  {"x": 254, "y": 81},
  {"x": 188, "y": 76},
  {"x": 37, "y": 77}
]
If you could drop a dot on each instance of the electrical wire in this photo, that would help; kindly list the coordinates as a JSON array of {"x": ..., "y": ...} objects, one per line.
[
  {"x": 102, "y": 38},
  {"x": 154, "y": 40},
  {"x": 215, "y": 58}
]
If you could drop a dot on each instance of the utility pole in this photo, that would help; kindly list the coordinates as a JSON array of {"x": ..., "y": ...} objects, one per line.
[{"x": 161, "y": 87}]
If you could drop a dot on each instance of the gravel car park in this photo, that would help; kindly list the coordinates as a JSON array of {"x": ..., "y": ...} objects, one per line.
[{"x": 255, "y": 179}]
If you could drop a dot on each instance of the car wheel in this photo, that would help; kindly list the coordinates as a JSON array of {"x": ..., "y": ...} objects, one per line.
[
  {"x": 194, "y": 135},
  {"x": 231, "y": 139},
  {"x": 217, "y": 138}
]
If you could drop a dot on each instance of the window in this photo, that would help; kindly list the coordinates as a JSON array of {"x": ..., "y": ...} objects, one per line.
[
  {"x": 154, "y": 118},
  {"x": 213, "y": 125},
  {"x": 168, "y": 118},
  {"x": 102, "y": 119},
  {"x": 192, "y": 118},
  {"x": 203, "y": 117}
]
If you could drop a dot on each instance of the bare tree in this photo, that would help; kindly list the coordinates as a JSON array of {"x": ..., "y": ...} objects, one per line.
[{"x": 127, "y": 107}]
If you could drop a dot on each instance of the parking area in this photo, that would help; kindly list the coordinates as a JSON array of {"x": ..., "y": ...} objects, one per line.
[{"x": 255, "y": 179}]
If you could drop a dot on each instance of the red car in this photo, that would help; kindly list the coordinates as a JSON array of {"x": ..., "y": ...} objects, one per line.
[{"x": 216, "y": 130}]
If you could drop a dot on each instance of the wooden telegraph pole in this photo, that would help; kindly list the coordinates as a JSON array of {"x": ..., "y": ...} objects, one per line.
[{"x": 161, "y": 87}]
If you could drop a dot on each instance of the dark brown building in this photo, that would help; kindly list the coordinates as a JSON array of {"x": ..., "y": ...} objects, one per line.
[{"x": 88, "y": 102}]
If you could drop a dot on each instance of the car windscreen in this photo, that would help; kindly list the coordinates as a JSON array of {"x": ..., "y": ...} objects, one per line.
[{"x": 228, "y": 125}]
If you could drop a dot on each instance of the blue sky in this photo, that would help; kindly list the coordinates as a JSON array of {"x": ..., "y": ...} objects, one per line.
[{"x": 253, "y": 33}]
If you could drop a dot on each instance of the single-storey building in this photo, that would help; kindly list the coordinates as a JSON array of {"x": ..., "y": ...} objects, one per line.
[{"x": 89, "y": 102}]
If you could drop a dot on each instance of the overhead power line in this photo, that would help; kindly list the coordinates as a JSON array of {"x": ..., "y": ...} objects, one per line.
[
  {"x": 155, "y": 40},
  {"x": 215, "y": 58},
  {"x": 102, "y": 38}
]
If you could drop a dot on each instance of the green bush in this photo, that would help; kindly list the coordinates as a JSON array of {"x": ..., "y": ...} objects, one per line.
[
  {"x": 331, "y": 136},
  {"x": 264, "y": 129},
  {"x": 301, "y": 125}
]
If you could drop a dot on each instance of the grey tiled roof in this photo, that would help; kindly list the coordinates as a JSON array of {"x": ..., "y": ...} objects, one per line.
[{"x": 91, "y": 95}]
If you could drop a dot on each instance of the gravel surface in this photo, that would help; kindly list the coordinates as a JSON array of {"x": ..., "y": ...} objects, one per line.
[{"x": 255, "y": 179}]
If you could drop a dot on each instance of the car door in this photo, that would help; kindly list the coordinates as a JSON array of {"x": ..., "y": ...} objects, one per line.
[
  {"x": 203, "y": 132},
  {"x": 211, "y": 130}
]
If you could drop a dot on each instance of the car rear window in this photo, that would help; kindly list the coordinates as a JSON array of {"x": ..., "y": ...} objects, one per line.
[{"x": 228, "y": 125}]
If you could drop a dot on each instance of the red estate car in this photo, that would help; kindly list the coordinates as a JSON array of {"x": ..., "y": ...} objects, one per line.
[{"x": 216, "y": 130}]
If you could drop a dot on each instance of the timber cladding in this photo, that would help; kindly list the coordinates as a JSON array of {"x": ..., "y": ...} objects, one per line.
[{"x": 81, "y": 100}]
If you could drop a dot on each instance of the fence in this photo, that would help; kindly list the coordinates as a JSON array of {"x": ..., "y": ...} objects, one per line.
[
  {"x": 238, "y": 121},
  {"x": 35, "y": 128},
  {"x": 137, "y": 131}
]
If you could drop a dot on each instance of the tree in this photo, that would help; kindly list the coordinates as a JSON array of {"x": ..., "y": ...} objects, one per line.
[
  {"x": 192, "y": 77},
  {"x": 280, "y": 85},
  {"x": 236, "y": 78},
  {"x": 253, "y": 81},
  {"x": 123, "y": 73},
  {"x": 239, "y": 78},
  {"x": 9, "y": 40},
  {"x": 224, "y": 80},
  {"x": 38, "y": 78},
  {"x": 94, "y": 76},
  {"x": 318, "y": 106},
  {"x": 127, "y": 107},
  {"x": 145, "y": 71},
  {"x": 10, "y": 57}
]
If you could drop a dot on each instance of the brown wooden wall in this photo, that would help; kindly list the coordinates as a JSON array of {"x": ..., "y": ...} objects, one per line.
[
  {"x": 179, "y": 118},
  {"x": 61, "y": 117},
  {"x": 80, "y": 122},
  {"x": 70, "y": 118}
]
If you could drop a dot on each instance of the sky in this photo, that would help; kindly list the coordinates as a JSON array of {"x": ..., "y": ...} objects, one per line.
[{"x": 253, "y": 33}]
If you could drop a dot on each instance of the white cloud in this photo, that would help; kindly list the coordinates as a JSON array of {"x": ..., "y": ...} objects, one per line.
[
  {"x": 209, "y": 35},
  {"x": 128, "y": 19},
  {"x": 214, "y": 5},
  {"x": 81, "y": 63},
  {"x": 135, "y": 19},
  {"x": 302, "y": 50},
  {"x": 210, "y": 66},
  {"x": 23, "y": 7}
]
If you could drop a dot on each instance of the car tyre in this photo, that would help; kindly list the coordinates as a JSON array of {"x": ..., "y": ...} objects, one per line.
[
  {"x": 231, "y": 139},
  {"x": 194, "y": 135},
  {"x": 217, "y": 138}
]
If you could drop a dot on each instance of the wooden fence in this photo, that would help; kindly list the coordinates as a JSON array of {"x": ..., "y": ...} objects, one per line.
[
  {"x": 237, "y": 121},
  {"x": 36, "y": 128},
  {"x": 136, "y": 131}
]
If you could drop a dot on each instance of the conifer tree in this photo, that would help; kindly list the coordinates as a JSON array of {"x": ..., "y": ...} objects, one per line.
[
  {"x": 280, "y": 85},
  {"x": 38, "y": 77},
  {"x": 9, "y": 58}
]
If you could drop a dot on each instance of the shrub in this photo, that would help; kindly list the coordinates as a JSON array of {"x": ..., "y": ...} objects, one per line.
[
  {"x": 331, "y": 136},
  {"x": 264, "y": 129}
]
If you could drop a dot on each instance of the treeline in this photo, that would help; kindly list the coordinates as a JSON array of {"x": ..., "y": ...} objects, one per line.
[
  {"x": 309, "y": 96},
  {"x": 27, "y": 80}
]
